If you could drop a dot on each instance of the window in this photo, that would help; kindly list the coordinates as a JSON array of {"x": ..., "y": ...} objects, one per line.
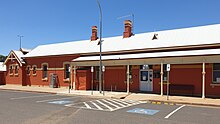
[
  {"x": 10, "y": 69},
  {"x": 34, "y": 70},
  {"x": 44, "y": 68},
  {"x": 165, "y": 72},
  {"x": 16, "y": 69},
  {"x": 130, "y": 72},
  {"x": 146, "y": 67},
  {"x": 28, "y": 70},
  {"x": 216, "y": 72},
  {"x": 67, "y": 71}
]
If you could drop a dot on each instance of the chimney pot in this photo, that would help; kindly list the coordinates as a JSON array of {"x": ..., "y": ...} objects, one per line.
[
  {"x": 94, "y": 33},
  {"x": 128, "y": 29}
]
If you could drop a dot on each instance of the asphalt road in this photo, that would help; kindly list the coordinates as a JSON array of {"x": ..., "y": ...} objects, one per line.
[{"x": 34, "y": 108}]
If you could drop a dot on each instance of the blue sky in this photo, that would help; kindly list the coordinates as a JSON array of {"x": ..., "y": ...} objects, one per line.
[{"x": 55, "y": 21}]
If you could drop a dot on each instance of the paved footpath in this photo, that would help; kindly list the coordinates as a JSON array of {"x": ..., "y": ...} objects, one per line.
[{"x": 118, "y": 95}]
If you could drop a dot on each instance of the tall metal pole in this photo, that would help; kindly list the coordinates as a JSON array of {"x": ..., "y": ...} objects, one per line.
[
  {"x": 100, "y": 43},
  {"x": 20, "y": 40}
]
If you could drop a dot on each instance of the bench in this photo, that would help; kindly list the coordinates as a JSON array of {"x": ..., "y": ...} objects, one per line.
[{"x": 180, "y": 89}]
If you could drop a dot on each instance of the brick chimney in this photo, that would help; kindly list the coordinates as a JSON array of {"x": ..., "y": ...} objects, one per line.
[
  {"x": 128, "y": 29},
  {"x": 94, "y": 33}
]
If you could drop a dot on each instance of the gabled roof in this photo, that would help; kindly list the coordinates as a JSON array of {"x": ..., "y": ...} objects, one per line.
[
  {"x": 17, "y": 55},
  {"x": 201, "y": 35}
]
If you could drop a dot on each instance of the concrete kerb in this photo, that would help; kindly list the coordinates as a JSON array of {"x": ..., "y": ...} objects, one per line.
[{"x": 183, "y": 103}]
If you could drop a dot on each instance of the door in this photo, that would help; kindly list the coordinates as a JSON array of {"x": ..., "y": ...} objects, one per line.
[{"x": 146, "y": 80}]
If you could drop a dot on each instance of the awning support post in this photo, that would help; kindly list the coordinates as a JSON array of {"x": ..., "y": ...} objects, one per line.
[
  {"x": 203, "y": 80},
  {"x": 71, "y": 75},
  {"x": 74, "y": 81},
  {"x": 128, "y": 79},
  {"x": 161, "y": 79}
]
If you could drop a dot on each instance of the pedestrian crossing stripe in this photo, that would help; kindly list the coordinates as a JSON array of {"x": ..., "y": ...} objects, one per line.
[{"x": 105, "y": 104}]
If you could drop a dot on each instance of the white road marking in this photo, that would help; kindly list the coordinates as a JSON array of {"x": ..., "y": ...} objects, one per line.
[
  {"x": 110, "y": 103},
  {"x": 105, "y": 105},
  {"x": 121, "y": 101},
  {"x": 117, "y": 102},
  {"x": 87, "y": 106},
  {"x": 32, "y": 97},
  {"x": 96, "y": 105},
  {"x": 170, "y": 114},
  {"x": 56, "y": 99}
]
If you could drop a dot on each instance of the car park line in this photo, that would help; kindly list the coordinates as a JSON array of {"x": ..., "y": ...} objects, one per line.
[
  {"x": 47, "y": 100},
  {"x": 171, "y": 113},
  {"x": 27, "y": 97}
]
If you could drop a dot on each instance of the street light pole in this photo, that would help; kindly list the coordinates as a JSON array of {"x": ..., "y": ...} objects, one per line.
[
  {"x": 20, "y": 36},
  {"x": 100, "y": 43}
]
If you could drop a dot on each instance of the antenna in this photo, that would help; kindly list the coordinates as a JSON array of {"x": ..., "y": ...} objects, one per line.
[
  {"x": 20, "y": 37},
  {"x": 127, "y": 16}
]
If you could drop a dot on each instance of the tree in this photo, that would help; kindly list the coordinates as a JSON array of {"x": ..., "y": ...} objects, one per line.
[{"x": 2, "y": 58}]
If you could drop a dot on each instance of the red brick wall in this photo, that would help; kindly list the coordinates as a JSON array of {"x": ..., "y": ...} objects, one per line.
[
  {"x": 135, "y": 78},
  {"x": 55, "y": 65},
  {"x": 14, "y": 79},
  {"x": 2, "y": 77},
  {"x": 115, "y": 77},
  {"x": 190, "y": 74},
  {"x": 83, "y": 80}
]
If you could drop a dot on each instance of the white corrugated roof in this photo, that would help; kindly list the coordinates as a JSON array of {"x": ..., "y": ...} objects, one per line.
[
  {"x": 19, "y": 55},
  {"x": 170, "y": 38},
  {"x": 2, "y": 66},
  {"x": 151, "y": 55}
]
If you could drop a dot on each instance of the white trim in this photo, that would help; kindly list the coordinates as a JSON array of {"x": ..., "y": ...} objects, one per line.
[
  {"x": 14, "y": 57},
  {"x": 34, "y": 66}
]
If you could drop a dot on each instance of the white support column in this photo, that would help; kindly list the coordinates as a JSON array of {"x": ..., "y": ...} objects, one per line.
[
  {"x": 71, "y": 75},
  {"x": 203, "y": 80},
  {"x": 161, "y": 79},
  {"x": 74, "y": 77},
  {"x": 128, "y": 79}
]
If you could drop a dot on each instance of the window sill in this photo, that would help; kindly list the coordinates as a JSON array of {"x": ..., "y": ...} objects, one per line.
[
  {"x": 215, "y": 84},
  {"x": 16, "y": 75},
  {"x": 129, "y": 82},
  {"x": 165, "y": 83},
  {"x": 34, "y": 75},
  {"x": 11, "y": 75},
  {"x": 44, "y": 79},
  {"x": 66, "y": 80}
]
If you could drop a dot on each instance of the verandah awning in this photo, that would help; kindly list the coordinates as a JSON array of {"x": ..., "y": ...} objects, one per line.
[{"x": 171, "y": 57}]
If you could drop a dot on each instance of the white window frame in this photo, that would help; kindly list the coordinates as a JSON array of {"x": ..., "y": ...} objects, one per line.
[
  {"x": 218, "y": 70},
  {"x": 34, "y": 66},
  {"x": 42, "y": 65}
]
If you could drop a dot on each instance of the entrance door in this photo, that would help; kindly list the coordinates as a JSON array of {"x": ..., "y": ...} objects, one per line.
[{"x": 146, "y": 80}]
